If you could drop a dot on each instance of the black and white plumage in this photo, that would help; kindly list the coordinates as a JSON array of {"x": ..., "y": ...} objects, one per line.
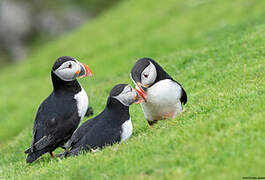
[
  {"x": 163, "y": 95},
  {"x": 112, "y": 125},
  {"x": 60, "y": 114}
]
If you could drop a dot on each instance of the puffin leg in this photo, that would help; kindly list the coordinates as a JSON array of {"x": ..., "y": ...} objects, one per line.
[
  {"x": 170, "y": 115},
  {"x": 183, "y": 111},
  {"x": 52, "y": 154},
  {"x": 64, "y": 154},
  {"x": 151, "y": 123}
]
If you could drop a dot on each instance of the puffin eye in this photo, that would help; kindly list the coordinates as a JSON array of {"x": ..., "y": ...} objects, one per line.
[
  {"x": 146, "y": 75},
  {"x": 70, "y": 66}
]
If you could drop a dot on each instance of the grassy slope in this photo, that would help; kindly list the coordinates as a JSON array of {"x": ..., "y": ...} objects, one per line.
[{"x": 214, "y": 48}]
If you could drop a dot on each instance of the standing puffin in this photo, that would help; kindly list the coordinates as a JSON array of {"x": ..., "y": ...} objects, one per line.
[
  {"x": 60, "y": 114},
  {"x": 162, "y": 94},
  {"x": 112, "y": 125}
]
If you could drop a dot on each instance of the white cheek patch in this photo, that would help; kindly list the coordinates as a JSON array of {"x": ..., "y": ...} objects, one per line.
[
  {"x": 150, "y": 70},
  {"x": 126, "y": 97},
  {"x": 65, "y": 73}
]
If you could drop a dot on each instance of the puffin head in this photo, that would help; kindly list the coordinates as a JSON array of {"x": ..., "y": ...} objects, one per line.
[
  {"x": 144, "y": 74},
  {"x": 68, "y": 68},
  {"x": 125, "y": 94}
]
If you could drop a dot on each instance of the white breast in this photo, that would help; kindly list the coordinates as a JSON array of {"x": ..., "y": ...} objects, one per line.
[
  {"x": 163, "y": 100},
  {"x": 82, "y": 103},
  {"x": 126, "y": 130}
]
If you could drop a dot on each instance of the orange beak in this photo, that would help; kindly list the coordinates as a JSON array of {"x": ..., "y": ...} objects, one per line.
[
  {"x": 138, "y": 98},
  {"x": 84, "y": 71},
  {"x": 141, "y": 92}
]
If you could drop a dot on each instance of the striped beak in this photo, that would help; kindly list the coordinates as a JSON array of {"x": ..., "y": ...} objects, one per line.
[
  {"x": 138, "y": 98},
  {"x": 141, "y": 91},
  {"x": 84, "y": 71}
]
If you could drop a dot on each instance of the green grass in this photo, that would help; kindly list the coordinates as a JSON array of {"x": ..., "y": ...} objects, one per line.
[{"x": 215, "y": 49}]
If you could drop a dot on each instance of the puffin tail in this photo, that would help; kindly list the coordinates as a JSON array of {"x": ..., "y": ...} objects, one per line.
[
  {"x": 35, "y": 155},
  {"x": 73, "y": 152},
  {"x": 184, "y": 97}
]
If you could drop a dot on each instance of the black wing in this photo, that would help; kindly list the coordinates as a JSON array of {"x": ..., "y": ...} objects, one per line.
[
  {"x": 183, "y": 98},
  {"x": 39, "y": 139},
  {"x": 99, "y": 135},
  {"x": 92, "y": 141},
  {"x": 54, "y": 124},
  {"x": 80, "y": 132}
]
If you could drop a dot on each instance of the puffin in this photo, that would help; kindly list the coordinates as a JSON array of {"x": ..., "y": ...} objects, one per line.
[
  {"x": 60, "y": 113},
  {"x": 163, "y": 96},
  {"x": 112, "y": 125}
]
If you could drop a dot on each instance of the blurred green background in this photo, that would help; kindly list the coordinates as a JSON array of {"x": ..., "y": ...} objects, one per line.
[{"x": 26, "y": 24}]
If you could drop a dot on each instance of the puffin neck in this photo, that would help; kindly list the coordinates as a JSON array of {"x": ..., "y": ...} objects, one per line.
[
  {"x": 60, "y": 85},
  {"x": 117, "y": 108}
]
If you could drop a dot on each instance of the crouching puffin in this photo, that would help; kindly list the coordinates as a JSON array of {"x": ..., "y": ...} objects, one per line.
[
  {"x": 60, "y": 114},
  {"x": 162, "y": 94},
  {"x": 112, "y": 125}
]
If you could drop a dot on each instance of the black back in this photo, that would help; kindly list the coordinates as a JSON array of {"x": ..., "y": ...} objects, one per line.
[
  {"x": 57, "y": 118},
  {"x": 104, "y": 129}
]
